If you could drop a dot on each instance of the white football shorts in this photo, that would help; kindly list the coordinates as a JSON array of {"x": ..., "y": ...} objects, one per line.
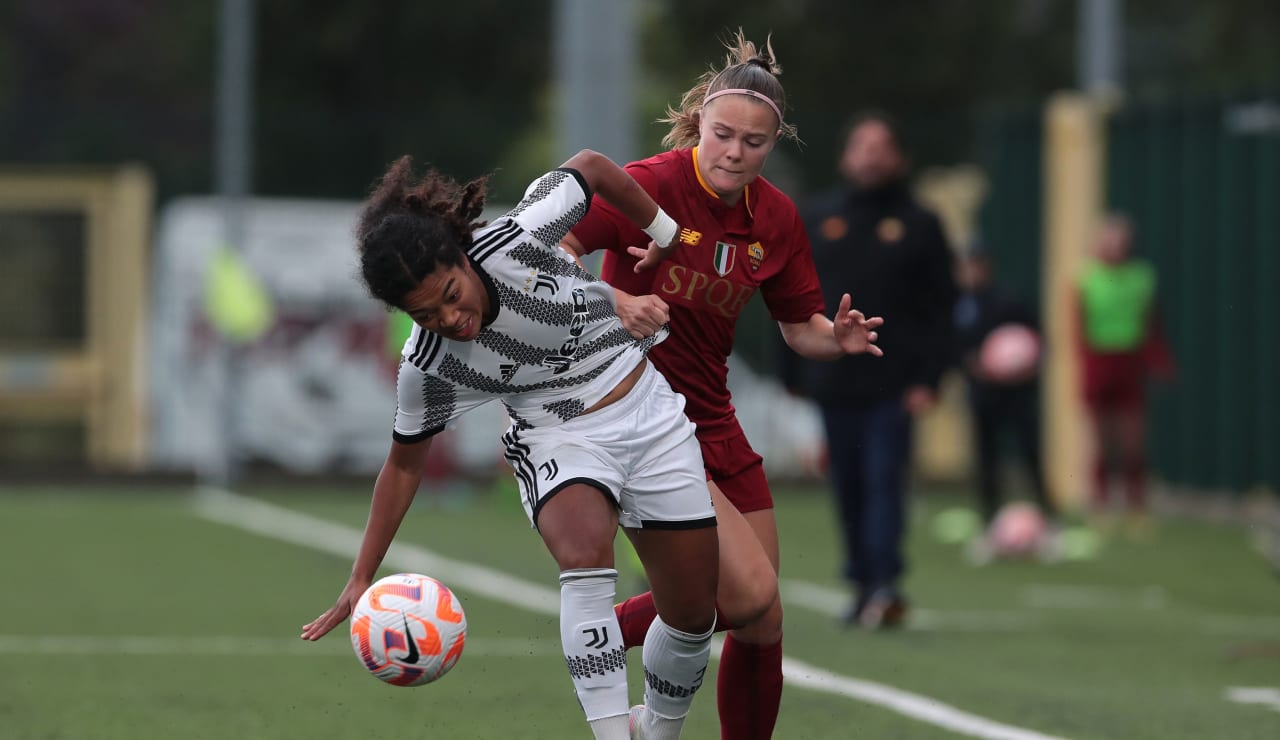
[{"x": 639, "y": 450}]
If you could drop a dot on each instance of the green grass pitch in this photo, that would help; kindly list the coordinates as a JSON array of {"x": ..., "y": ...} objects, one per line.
[{"x": 127, "y": 614}]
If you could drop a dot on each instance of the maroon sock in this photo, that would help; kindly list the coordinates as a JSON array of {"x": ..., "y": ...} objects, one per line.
[
  {"x": 749, "y": 689},
  {"x": 634, "y": 616},
  {"x": 637, "y": 613}
]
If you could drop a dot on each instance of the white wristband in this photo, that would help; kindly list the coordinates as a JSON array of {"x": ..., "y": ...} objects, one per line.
[{"x": 663, "y": 229}]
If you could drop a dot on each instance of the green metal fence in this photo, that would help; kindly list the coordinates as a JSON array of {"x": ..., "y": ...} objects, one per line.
[
  {"x": 1201, "y": 178},
  {"x": 1010, "y": 145}
]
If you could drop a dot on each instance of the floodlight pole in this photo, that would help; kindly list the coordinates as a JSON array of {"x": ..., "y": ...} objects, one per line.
[
  {"x": 595, "y": 61},
  {"x": 1099, "y": 59},
  {"x": 232, "y": 167}
]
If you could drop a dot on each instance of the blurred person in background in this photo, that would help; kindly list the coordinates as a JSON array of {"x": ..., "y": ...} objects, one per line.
[
  {"x": 739, "y": 234},
  {"x": 597, "y": 439},
  {"x": 874, "y": 240},
  {"x": 1121, "y": 345},
  {"x": 1002, "y": 382}
]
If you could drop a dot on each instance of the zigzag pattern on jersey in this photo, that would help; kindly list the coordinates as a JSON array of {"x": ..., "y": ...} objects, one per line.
[
  {"x": 512, "y": 348},
  {"x": 546, "y": 186},
  {"x": 566, "y": 410},
  {"x": 546, "y": 312},
  {"x": 438, "y": 401},
  {"x": 648, "y": 342},
  {"x": 524, "y": 353},
  {"x": 548, "y": 263},
  {"x": 551, "y": 233},
  {"x": 451, "y": 368},
  {"x": 611, "y": 338}
]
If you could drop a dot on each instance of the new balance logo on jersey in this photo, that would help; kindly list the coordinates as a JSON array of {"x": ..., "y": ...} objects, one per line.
[
  {"x": 548, "y": 282},
  {"x": 561, "y": 360},
  {"x": 599, "y": 637},
  {"x": 550, "y": 468},
  {"x": 690, "y": 237}
]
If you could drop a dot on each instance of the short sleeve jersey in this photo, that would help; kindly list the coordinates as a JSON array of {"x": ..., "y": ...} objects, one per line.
[
  {"x": 724, "y": 255},
  {"x": 556, "y": 345}
]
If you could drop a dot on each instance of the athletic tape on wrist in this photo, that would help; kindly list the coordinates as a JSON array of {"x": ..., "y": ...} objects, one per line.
[{"x": 663, "y": 229}]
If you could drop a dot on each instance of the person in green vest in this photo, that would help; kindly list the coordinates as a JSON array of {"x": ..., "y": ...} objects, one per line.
[{"x": 1121, "y": 346}]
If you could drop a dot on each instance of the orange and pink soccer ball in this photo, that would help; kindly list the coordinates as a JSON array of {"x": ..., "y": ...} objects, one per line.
[
  {"x": 1010, "y": 353},
  {"x": 408, "y": 629},
  {"x": 1017, "y": 531}
]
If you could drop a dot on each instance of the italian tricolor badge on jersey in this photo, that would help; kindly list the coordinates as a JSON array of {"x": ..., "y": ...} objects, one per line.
[{"x": 723, "y": 259}]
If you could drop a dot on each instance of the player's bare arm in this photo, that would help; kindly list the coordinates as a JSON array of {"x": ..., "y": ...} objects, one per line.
[
  {"x": 393, "y": 492},
  {"x": 820, "y": 338},
  {"x": 613, "y": 184}
]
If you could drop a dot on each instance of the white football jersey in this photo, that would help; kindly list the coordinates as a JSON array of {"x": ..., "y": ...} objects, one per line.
[{"x": 556, "y": 346}]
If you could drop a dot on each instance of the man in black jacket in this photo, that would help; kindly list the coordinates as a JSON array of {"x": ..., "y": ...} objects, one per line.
[{"x": 874, "y": 241}]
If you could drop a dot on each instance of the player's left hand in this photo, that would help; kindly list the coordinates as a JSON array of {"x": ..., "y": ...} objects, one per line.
[
  {"x": 854, "y": 332},
  {"x": 649, "y": 256}
]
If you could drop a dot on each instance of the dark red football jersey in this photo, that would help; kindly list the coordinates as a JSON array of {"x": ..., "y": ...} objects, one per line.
[{"x": 723, "y": 256}]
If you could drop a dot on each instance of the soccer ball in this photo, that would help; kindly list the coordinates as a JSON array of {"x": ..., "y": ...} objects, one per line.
[
  {"x": 1010, "y": 353},
  {"x": 408, "y": 629},
  {"x": 1018, "y": 530}
]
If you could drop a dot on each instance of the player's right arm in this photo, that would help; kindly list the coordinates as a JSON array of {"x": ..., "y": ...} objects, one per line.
[
  {"x": 393, "y": 492},
  {"x": 621, "y": 190}
]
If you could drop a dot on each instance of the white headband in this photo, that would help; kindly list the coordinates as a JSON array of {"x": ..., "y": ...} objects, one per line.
[{"x": 744, "y": 91}]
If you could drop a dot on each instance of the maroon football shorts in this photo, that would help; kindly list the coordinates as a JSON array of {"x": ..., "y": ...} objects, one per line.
[
  {"x": 738, "y": 471},
  {"x": 1113, "y": 381}
]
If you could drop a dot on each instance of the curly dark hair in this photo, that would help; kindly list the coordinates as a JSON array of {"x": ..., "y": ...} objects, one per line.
[{"x": 409, "y": 226}]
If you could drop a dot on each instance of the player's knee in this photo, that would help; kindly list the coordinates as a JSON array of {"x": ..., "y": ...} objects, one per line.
[
  {"x": 754, "y": 600},
  {"x": 765, "y": 629},
  {"x": 583, "y": 552}
]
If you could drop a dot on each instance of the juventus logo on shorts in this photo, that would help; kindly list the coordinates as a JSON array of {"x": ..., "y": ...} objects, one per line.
[{"x": 551, "y": 468}]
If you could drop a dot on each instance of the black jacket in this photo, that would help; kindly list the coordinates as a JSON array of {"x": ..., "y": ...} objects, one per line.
[{"x": 891, "y": 256}]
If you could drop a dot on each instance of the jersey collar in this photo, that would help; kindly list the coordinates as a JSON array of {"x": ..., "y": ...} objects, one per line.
[{"x": 697, "y": 172}]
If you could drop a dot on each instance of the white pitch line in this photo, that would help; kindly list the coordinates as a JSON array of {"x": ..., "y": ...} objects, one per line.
[
  {"x": 301, "y": 529},
  {"x": 1059, "y": 596},
  {"x": 834, "y": 602},
  {"x": 1267, "y": 696},
  {"x": 232, "y": 646}
]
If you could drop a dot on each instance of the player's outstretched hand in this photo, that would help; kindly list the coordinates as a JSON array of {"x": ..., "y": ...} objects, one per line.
[
  {"x": 642, "y": 316},
  {"x": 649, "y": 256},
  {"x": 854, "y": 332},
  {"x": 337, "y": 613}
]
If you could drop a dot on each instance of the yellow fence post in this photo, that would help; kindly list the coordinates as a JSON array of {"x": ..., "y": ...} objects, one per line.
[{"x": 1074, "y": 158}]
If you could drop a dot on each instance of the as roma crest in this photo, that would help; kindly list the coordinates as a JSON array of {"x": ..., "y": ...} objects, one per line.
[
  {"x": 723, "y": 259},
  {"x": 755, "y": 253}
]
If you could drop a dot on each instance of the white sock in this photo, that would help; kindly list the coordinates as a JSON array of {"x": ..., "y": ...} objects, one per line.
[
  {"x": 674, "y": 665},
  {"x": 593, "y": 649},
  {"x": 612, "y": 728}
]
